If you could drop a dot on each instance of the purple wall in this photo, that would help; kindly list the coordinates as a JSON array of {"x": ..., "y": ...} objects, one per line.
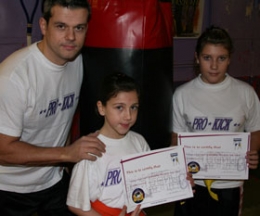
[
  {"x": 242, "y": 21},
  {"x": 13, "y": 26}
]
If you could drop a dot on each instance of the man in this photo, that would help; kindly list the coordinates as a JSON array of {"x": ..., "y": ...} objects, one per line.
[{"x": 39, "y": 91}]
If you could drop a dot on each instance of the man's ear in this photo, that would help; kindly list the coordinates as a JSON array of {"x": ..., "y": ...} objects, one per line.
[
  {"x": 43, "y": 25},
  {"x": 100, "y": 108}
]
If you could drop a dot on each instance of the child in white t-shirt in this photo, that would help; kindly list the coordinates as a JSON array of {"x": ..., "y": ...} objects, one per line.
[
  {"x": 96, "y": 187},
  {"x": 216, "y": 102}
]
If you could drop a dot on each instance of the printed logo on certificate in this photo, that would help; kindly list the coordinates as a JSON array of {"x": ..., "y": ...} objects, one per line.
[
  {"x": 155, "y": 177},
  {"x": 216, "y": 155}
]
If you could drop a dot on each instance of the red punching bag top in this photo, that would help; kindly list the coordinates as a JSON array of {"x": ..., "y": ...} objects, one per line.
[{"x": 138, "y": 24}]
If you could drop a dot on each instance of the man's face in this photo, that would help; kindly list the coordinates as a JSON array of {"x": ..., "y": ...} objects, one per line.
[{"x": 64, "y": 35}]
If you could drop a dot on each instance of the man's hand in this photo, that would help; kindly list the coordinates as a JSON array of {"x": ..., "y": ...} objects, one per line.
[{"x": 87, "y": 147}]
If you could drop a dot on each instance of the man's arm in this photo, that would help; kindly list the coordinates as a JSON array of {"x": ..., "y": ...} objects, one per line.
[{"x": 14, "y": 151}]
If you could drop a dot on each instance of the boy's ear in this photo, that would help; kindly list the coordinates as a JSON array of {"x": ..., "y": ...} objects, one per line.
[{"x": 100, "y": 108}]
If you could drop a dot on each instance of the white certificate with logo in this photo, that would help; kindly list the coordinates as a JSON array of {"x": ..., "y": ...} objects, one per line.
[
  {"x": 155, "y": 177},
  {"x": 216, "y": 155}
]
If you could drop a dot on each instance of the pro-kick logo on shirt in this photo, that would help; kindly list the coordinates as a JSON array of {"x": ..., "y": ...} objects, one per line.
[
  {"x": 217, "y": 124},
  {"x": 67, "y": 103},
  {"x": 113, "y": 177}
]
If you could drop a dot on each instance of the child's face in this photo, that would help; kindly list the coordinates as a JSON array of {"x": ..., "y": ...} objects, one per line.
[
  {"x": 213, "y": 62},
  {"x": 120, "y": 114}
]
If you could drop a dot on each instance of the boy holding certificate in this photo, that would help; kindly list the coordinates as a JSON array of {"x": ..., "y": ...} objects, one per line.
[{"x": 216, "y": 102}]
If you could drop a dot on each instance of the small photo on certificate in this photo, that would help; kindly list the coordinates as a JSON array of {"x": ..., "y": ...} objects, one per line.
[
  {"x": 155, "y": 177},
  {"x": 216, "y": 155}
]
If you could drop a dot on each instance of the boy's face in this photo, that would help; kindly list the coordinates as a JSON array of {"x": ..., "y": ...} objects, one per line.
[
  {"x": 213, "y": 62},
  {"x": 120, "y": 114},
  {"x": 64, "y": 35}
]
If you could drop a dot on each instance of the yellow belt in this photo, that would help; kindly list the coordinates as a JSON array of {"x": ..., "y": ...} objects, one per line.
[{"x": 208, "y": 183}]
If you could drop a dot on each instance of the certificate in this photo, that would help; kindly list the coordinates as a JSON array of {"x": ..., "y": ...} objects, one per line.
[
  {"x": 216, "y": 155},
  {"x": 155, "y": 177}
]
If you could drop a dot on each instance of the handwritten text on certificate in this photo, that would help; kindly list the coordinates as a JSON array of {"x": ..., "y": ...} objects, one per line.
[
  {"x": 216, "y": 155},
  {"x": 155, "y": 177}
]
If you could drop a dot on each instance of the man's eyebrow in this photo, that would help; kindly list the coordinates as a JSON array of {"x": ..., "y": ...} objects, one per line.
[
  {"x": 62, "y": 23},
  {"x": 58, "y": 22},
  {"x": 82, "y": 24}
]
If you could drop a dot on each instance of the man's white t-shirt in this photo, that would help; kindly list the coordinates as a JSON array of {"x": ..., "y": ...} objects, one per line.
[{"x": 37, "y": 102}]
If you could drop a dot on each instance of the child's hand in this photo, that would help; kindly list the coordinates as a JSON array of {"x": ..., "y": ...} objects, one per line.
[
  {"x": 189, "y": 178},
  {"x": 252, "y": 158},
  {"x": 134, "y": 213}
]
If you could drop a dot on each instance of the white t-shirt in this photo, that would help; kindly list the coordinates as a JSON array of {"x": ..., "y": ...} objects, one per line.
[
  {"x": 37, "y": 103},
  {"x": 102, "y": 179},
  {"x": 229, "y": 106}
]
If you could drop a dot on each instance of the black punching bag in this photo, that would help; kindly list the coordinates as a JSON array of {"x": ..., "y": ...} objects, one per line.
[{"x": 134, "y": 37}]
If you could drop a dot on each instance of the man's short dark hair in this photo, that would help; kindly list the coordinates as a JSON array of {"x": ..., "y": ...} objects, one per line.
[{"x": 72, "y": 4}]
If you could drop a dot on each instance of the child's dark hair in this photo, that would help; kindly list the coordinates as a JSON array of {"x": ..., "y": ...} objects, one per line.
[
  {"x": 115, "y": 83},
  {"x": 213, "y": 35}
]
